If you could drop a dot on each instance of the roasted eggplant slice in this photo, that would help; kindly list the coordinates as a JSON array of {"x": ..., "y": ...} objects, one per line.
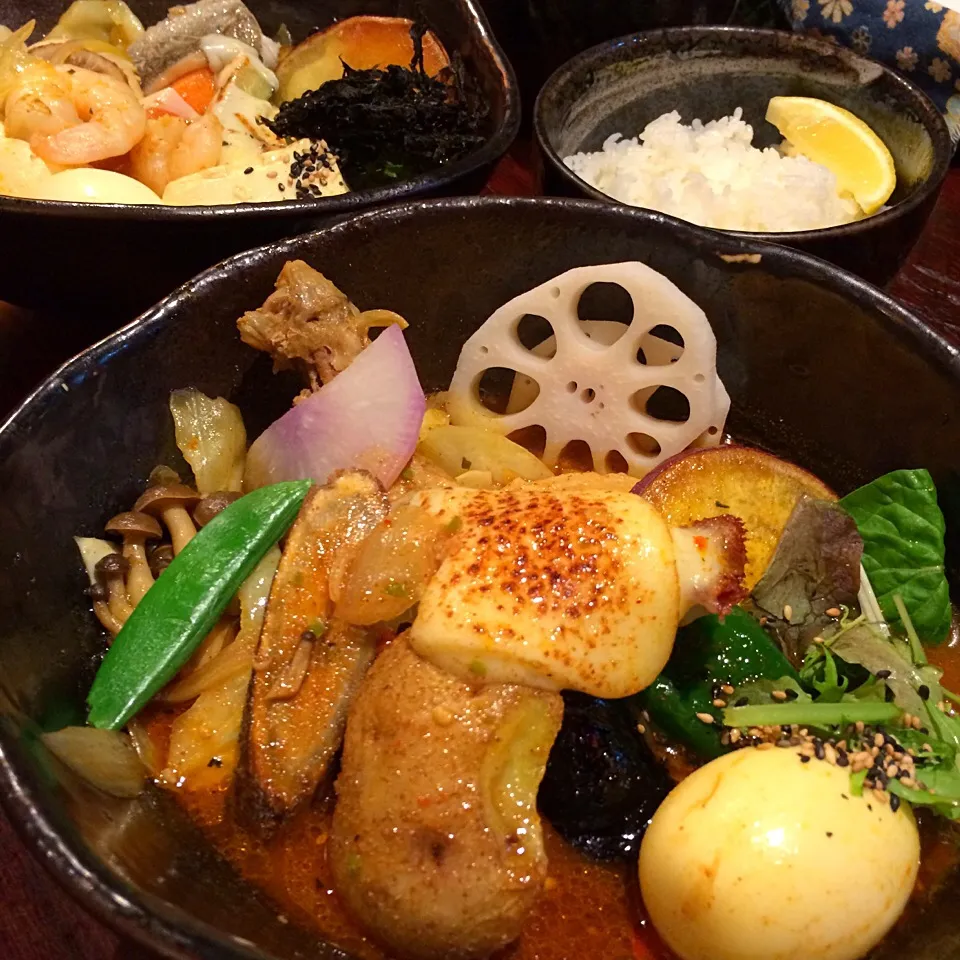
[
  {"x": 602, "y": 784},
  {"x": 436, "y": 845},
  {"x": 308, "y": 664}
]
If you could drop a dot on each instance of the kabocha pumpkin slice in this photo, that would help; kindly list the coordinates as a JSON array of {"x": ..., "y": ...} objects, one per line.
[
  {"x": 361, "y": 42},
  {"x": 757, "y": 487},
  {"x": 308, "y": 663}
]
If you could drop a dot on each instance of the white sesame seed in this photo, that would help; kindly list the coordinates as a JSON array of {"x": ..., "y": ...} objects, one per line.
[
  {"x": 705, "y": 717},
  {"x": 787, "y": 612},
  {"x": 833, "y": 612}
]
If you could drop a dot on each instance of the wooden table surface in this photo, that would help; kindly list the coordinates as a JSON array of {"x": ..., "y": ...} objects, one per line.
[{"x": 38, "y": 921}]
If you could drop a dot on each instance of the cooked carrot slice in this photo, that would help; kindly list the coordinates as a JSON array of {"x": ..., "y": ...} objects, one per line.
[{"x": 196, "y": 88}]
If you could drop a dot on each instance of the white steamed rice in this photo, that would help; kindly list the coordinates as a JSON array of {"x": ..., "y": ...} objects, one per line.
[{"x": 711, "y": 175}]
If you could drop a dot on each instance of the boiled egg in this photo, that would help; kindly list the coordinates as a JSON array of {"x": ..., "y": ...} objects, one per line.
[
  {"x": 22, "y": 172},
  {"x": 761, "y": 856},
  {"x": 91, "y": 185}
]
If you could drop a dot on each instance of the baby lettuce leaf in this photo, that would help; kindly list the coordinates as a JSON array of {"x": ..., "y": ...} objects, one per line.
[
  {"x": 903, "y": 549},
  {"x": 815, "y": 568}
]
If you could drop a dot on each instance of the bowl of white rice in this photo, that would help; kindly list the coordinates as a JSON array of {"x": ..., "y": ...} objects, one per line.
[{"x": 674, "y": 121}]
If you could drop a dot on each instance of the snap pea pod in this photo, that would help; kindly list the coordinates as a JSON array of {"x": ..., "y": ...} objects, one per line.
[
  {"x": 180, "y": 609},
  {"x": 709, "y": 652}
]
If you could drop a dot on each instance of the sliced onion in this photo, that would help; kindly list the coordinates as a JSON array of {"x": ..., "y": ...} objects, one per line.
[
  {"x": 366, "y": 418},
  {"x": 203, "y": 740},
  {"x": 459, "y": 449},
  {"x": 146, "y": 746},
  {"x": 104, "y": 758},
  {"x": 392, "y": 566}
]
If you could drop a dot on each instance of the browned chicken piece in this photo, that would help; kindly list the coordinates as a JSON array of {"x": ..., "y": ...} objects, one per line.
[
  {"x": 308, "y": 664},
  {"x": 436, "y": 845},
  {"x": 309, "y": 325}
]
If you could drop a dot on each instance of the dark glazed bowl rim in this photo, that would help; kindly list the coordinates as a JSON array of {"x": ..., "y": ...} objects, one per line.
[
  {"x": 669, "y": 37},
  {"x": 109, "y": 897},
  {"x": 345, "y": 204}
]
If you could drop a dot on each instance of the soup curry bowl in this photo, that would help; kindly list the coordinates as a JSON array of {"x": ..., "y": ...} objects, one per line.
[{"x": 809, "y": 355}]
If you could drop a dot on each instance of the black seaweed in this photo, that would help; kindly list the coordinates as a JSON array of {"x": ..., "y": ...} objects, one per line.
[
  {"x": 388, "y": 125},
  {"x": 602, "y": 783}
]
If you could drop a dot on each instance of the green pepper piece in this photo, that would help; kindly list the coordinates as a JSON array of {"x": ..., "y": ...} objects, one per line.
[
  {"x": 180, "y": 609},
  {"x": 708, "y": 652}
]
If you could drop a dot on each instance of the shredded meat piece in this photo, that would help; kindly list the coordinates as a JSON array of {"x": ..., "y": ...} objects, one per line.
[{"x": 309, "y": 325}]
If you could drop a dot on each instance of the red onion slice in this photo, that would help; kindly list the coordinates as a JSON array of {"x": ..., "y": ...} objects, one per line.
[{"x": 366, "y": 418}]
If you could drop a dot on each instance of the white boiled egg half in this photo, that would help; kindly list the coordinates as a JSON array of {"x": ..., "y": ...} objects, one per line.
[
  {"x": 759, "y": 856},
  {"x": 91, "y": 185}
]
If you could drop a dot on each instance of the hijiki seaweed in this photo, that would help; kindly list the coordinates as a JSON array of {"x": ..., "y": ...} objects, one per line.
[{"x": 387, "y": 125}]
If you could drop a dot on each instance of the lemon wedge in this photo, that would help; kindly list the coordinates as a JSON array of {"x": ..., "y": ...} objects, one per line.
[{"x": 843, "y": 143}]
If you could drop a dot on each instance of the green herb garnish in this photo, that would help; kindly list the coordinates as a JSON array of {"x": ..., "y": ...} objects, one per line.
[{"x": 903, "y": 549}]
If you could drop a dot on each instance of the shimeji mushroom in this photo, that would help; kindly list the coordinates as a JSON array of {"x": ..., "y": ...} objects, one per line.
[
  {"x": 136, "y": 528},
  {"x": 172, "y": 503},
  {"x": 111, "y": 573},
  {"x": 160, "y": 558},
  {"x": 211, "y": 505}
]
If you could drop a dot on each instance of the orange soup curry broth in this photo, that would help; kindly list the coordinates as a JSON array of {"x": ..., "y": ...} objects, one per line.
[{"x": 587, "y": 907}]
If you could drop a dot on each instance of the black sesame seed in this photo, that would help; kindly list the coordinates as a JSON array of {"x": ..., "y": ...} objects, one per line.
[
  {"x": 924, "y": 691},
  {"x": 883, "y": 674},
  {"x": 829, "y": 833},
  {"x": 281, "y": 187},
  {"x": 842, "y": 759},
  {"x": 894, "y": 802},
  {"x": 248, "y": 170},
  {"x": 804, "y": 759},
  {"x": 818, "y": 748}
]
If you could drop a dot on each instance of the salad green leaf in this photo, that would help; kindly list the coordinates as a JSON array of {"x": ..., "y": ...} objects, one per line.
[
  {"x": 815, "y": 568},
  {"x": 903, "y": 538}
]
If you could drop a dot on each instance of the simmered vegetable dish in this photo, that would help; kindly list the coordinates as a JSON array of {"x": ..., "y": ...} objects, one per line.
[
  {"x": 541, "y": 666},
  {"x": 205, "y": 108}
]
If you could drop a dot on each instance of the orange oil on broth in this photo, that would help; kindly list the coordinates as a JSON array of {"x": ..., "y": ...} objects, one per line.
[{"x": 586, "y": 908}]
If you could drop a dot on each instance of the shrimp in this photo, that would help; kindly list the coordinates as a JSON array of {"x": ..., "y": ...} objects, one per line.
[
  {"x": 173, "y": 147},
  {"x": 72, "y": 116},
  {"x": 40, "y": 105}
]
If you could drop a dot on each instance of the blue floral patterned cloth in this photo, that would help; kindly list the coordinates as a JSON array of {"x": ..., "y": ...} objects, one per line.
[{"x": 920, "y": 38}]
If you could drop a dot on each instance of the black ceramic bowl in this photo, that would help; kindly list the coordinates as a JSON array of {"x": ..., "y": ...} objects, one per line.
[
  {"x": 109, "y": 262},
  {"x": 808, "y": 353},
  {"x": 706, "y": 73},
  {"x": 539, "y": 35}
]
